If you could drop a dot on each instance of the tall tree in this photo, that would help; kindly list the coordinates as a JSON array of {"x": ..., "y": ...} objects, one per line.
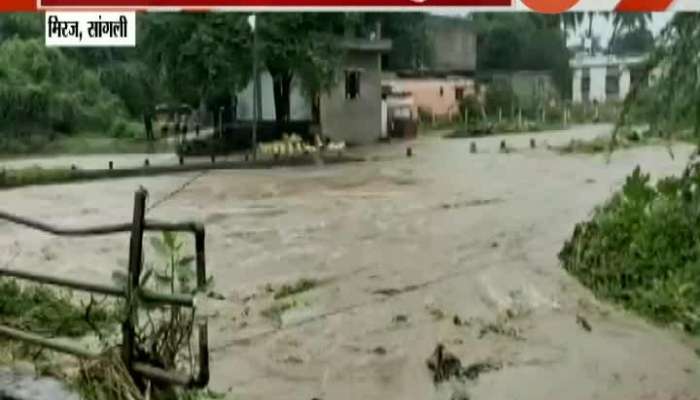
[
  {"x": 304, "y": 46},
  {"x": 628, "y": 22}
]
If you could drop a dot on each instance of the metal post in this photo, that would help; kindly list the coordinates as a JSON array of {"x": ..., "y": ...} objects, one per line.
[
  {"x": 203, "y": 376},
  {"x": 133, "y": 277},
  {"x": 256, "y": 90}
]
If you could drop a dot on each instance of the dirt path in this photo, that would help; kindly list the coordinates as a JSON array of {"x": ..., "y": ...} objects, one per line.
[{"x": 401, "y": 246}]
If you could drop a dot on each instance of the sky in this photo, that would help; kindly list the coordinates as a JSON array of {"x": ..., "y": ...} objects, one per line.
[{"x": 601, "y": 27}]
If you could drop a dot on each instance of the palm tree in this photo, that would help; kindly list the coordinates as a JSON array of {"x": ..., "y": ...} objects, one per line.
[{"x": 625, "y": 22}]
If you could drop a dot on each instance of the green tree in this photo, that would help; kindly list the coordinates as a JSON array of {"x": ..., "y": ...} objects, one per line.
[
  {"x": 626, "y": 23},
  {"x": 637, "y": 41},
  {"x": 304, "y": 46}
]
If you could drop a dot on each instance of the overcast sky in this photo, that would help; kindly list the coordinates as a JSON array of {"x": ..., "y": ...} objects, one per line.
[{"x": 601, "y": 27}]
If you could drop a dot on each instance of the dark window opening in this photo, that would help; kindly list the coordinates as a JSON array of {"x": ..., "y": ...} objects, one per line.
[
  {"x": 352, "y": 84},
  {"x": 459, "y": 93},
  {"x": 612, "y": 83},
  {"x": 441, "y": 91}
]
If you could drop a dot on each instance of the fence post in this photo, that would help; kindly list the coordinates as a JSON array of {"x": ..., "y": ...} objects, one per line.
[
  {"x": 203, "y": 375},
  {"x": 134, "y": 274}
]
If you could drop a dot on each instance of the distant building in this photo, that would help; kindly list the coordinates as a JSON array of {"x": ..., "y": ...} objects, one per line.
[
  {"x": 604, "y": 77},
  {"x": 532, "y": 88},
  {"x": 453, "y": 43},
  {"x": 299, "y": 104},
  {"x": 435, "y": 97},
  {"x": 352, "y": 111},
  {"x": 447, "y": 76}
]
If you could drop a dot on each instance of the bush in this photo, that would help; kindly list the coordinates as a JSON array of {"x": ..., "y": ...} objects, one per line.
[
  {"x": 640, "y": 249},
  {"x": 124, "y": 129},
  {"x": 500, "y": 95}
]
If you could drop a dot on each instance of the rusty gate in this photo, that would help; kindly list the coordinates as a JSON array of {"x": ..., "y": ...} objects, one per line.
[{"x": 130, "y": 293}]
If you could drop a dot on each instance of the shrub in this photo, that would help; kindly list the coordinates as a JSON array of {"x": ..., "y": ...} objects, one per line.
[
  {"x": 124, "y": 129},
  {"x": 640, "y": 248}
]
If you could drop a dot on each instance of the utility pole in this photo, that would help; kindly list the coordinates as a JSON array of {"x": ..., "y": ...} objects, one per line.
[{"x": 256, "y": 86}]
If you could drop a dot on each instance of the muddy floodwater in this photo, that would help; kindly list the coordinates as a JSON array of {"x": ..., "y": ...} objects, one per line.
[{"x": 444, "y": 247}]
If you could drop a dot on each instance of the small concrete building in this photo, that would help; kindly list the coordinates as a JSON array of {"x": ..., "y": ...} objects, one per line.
[
  {"x": 604, "y": 78},
  {"x": 436, "y": 97},
  {"x": 352, "y": 110},
  {"x": 532, "y": 88}
]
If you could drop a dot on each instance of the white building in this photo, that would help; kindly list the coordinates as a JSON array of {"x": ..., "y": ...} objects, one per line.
[
  {"x": 604, "y": 77},
  {"x": 299, "y": 104}
]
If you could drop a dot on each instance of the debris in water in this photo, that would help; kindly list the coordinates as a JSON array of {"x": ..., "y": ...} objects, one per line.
[
  {"x": 216, "y": 296},
  {"x": 473, "y": 371},
  {"x": 494, "y": 245},
  {"x": 293, "y": 360},
  {"x": 499, "y": 328},
  {"x": 387, "y": 292},
  {"x": 379, "y": 350},
  {"x": 445, "y": 365},
  {"x": 456, "y": 320},
  {"x": 400, "y": 319},
  {"x": 583, "y": 322}
]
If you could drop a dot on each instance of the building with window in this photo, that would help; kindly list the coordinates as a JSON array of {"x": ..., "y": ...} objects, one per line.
[
  {"x": 436, "y": 96},
  {"x": 604, "y": 78},
  {"x": 352, "y": 110}
]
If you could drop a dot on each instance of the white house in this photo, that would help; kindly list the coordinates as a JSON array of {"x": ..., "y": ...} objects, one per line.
[
  {"x": 604, "y": 77},
  {"x": 299, "y": 104}
]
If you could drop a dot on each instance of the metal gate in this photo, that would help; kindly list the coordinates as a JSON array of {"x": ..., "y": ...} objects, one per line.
[{"x": 131, "y": 293}]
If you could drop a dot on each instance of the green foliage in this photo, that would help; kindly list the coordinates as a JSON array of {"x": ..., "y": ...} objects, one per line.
[
  {"x": 500, "y": 96},
  {"x": 519, "y": 41},
  {"x": 33, "y": 176},
  {"x": 122, "y": 128},
  {"x": 41, "y": 310},
  {"x": 21, "y": 25},
  {"x": 640, "y": 248},
  {"x": 40, "y": 87},
  {"x": 638, "y": 41},
  {"x": 673, "y": 99}
]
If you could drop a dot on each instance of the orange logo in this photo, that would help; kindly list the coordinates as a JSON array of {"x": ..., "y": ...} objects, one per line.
[{"x": 550, "y": 6}]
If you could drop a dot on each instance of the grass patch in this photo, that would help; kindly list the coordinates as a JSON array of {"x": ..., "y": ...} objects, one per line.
[
  {"x": 41, "y": 310},
  {"x": 82, "y": 144},
  {"x": 640, "y": 249},
  {"x": 499, "y": 128},
  {"x": 300, "y": 286}
]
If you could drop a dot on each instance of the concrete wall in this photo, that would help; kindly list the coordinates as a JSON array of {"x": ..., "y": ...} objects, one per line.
[
  {"x": 426, "y": 93},
  {"x": 598, "y": 66},
  {"x": 453, "y": 45},
  {"x": 358, "y": 120},
  {"x": 300, "y": 106}
]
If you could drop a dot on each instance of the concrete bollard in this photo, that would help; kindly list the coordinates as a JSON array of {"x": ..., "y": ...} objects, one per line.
[
  {"x": 246, "y": 157},
  {"x": 111, "y": 165},
  {"x": 146, "y": 163},
  {"x": 409, "y": 152},
  {"x": 73, "y": 167},
  {"x": 472, "y": 148},
  {"x": 213, "y": 158},
  {"x": 503, "y": 145},
  {"x": 196, "y": 130},
  {"x": 532, "y": 143},
  {"x": 181, "y": 160}
]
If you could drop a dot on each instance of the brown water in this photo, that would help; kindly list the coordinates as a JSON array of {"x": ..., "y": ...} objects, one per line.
[{"x": 396, "y": 243}]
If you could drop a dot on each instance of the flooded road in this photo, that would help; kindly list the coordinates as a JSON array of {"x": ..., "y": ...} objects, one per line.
[{"x": 400, "y": 247}]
